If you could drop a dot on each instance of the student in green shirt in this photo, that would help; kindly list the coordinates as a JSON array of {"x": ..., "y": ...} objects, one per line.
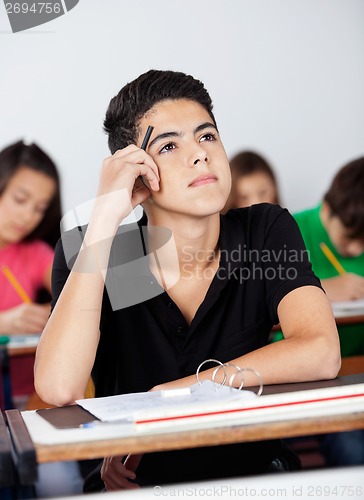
[{"x": 338, "y": 222}]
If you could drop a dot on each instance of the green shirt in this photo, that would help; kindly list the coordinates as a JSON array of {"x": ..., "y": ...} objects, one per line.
[{"x": 313, "y": 233}]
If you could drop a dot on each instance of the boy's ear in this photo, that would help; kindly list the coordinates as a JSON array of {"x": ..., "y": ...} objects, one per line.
[{"x": 326, "y": 210}]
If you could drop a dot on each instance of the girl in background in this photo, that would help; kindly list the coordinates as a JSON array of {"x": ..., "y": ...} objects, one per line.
[
  {"x": 30, "y": 213},
  {"x": 253, "y": 181}
]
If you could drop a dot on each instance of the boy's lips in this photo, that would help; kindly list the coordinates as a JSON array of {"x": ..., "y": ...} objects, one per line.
[{"x": 202, "y": 180}]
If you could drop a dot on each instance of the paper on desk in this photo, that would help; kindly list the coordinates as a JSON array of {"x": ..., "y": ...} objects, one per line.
[
  {"x": 348, "y": 307},
  {"x": 23, "y": 340},
  {"x": 128, "y": 406}
]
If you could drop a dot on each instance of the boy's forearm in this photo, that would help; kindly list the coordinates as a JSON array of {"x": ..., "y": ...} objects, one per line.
[
  {"x": 289, "y": 360},
  {"x": 68, "y": 345}
]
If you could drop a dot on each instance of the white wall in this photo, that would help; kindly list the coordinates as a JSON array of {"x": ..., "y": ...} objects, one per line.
[{"x": 286, "y": 78}]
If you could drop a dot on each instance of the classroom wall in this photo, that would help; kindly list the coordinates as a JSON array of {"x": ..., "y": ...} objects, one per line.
[{"x": 286, "y": 78}]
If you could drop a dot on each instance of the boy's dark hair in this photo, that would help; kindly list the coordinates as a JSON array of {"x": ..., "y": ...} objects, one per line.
[
  {"x": 18, "y": 155},
  {"x": 137, "y": 97},
  {"x": 345, "y": 197}
]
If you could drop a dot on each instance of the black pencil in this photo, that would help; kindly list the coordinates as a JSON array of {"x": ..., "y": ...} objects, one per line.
[{"x": 147, "y": 137}]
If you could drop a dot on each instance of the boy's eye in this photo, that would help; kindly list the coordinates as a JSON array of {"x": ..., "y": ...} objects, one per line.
[
  {"x": 208, "y": 137},
  {"x": 168, "y": 147}
]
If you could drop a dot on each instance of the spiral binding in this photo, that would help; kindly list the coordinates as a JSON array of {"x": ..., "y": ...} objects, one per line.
[{"x": 238, "y": 371}]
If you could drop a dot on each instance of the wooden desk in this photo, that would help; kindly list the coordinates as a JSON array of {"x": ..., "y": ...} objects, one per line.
[
  {"x": 350, "y": 320},
  {"x": 195, "y": 438},
  {"x": 20, "y": 345},
  {"x": 25, "y": 345},
  {"x": 209, "y": 436}
]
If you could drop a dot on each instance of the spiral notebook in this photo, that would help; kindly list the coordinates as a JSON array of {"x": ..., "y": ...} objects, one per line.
[
  {"x": 206, "y": 395},
  {"x": 210, "y": 403},
  {"x": 125, "y": 408}
]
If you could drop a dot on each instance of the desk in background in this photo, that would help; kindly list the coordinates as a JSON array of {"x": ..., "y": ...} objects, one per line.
[
  {"x": 20, "y": 345},
  {"x": 350, "y": 320},
  {"x": 350, "y": 364},
  {"x": 15, "y": 346},
  {"x": 24, "y": 345}
]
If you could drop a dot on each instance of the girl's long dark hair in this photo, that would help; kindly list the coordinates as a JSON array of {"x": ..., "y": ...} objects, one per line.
[{"x": 32, "y": 156}]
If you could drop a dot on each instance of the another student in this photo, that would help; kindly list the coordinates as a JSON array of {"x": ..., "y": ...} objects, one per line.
[
  {"x": 338, "y": 222},
  {"x": 253, "y": 181},
  {"x": 189, "y": 297},
  {"x": 30, "y": 213}
]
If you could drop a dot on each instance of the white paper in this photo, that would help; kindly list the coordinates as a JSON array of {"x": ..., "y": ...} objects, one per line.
[
  {"x": 128, "y": 406},
  {"x": 23, "y": 340},
  {"x": 348, "y": 308}
]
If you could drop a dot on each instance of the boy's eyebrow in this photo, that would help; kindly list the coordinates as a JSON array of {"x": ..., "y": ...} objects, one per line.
[
  {"x": 166, "y": 135},
  {"x": 203, "y": 126}
]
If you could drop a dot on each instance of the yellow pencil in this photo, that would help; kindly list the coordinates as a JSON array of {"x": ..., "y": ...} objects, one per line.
[
  {"x": 331, "y": 257},
  {"x": 16, "y": 285}
]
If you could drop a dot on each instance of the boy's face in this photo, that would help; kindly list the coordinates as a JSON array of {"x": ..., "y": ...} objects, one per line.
[
  {"x": 339, "y": 235},
  {"x": 193, "y": 167}
]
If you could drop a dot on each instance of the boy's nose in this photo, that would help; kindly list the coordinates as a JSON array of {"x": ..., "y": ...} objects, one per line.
[{"x": 199, "y": 159}]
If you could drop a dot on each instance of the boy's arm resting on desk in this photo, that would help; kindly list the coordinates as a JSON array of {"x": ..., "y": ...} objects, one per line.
[
  {"x": 309, "y": 351},
  {"x": 348, "y": 286}
]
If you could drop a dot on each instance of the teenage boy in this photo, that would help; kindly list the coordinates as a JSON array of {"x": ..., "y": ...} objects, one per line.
[{"x": 212, "y": 288}]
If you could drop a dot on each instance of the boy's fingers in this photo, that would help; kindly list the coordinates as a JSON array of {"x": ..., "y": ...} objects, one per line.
[
  {"x": 136, "y": 156},
  {"x": 132, "y": 461}
]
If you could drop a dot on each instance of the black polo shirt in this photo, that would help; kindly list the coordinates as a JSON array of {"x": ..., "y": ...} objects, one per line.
[{"x": 263, "y": 258}]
